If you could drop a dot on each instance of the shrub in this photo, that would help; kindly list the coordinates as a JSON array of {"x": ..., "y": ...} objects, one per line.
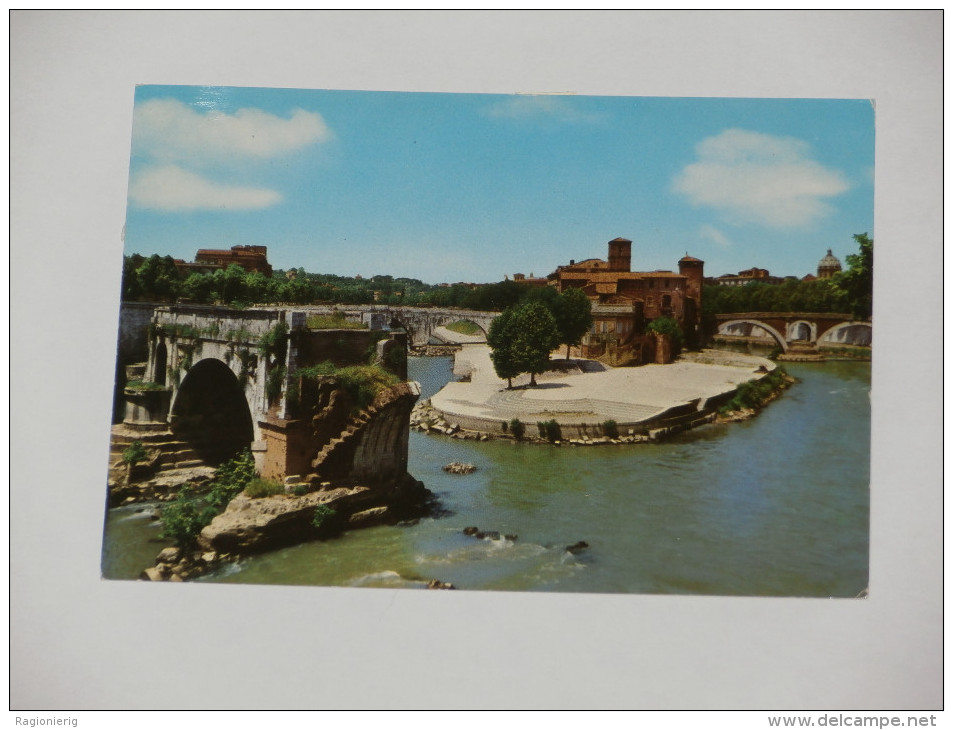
[
  {"x": 670, "y": 327},
  {"x": 504, "y": 426},
  {"x": 549, "y": 430},
  {"x": 276, "y": 376},
  {"x": 144, "y": 385},
  {"x": 184, "y": 518},
  {"x": 274, "y": 341},
  {"x": 396, "y": 359},
  {"x": 135, "y": 453},
  {"x": 230, "y": 479},
  {"x": 753, "y": 393},
  {"x": 610, "y": 429},
  {"x": 259, "y": 487},
  {"x": 517, "y": 428},
  {"x": 300, "y": 490},
  {"x": 553, "y": 431},
  {"x": 362, "y": 382},
  {"x": 335, "y": 321},
  {"x": 322, "y": 515}
]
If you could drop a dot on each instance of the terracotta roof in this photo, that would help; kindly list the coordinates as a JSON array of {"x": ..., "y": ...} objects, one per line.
[
  {"x": 607, "y": 276},
  {"x": 686, "y": 258},
  {"x": 620, "y": 240}
]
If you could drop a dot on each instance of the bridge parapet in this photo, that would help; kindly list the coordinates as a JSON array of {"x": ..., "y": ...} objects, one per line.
[{"x": 418, "y": 322}]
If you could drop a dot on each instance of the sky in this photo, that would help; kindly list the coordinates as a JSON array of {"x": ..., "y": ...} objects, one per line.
[{"x": 476, "y": 187}]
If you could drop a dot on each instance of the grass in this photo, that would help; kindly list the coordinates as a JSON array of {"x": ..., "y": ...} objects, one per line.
[
  {"x": 336, "y": 321},
  {"x": 753, "y": 393},
  {"x": 144, "y": 385},
  {"x": 259, "y": 487},
  {"x": 362, "y": 382}
]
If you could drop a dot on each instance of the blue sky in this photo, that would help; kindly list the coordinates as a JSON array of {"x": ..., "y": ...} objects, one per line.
[{"x": 472, "y": 187}]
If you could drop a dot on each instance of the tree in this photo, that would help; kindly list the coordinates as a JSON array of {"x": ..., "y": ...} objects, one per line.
[
  {"x": 500, "y": 338},
  {"x": 668, "y": 326},
  {"x": 522, "y": 341},
  {"x": 131, "y": 288},
  {"x": 857, "y": 282},
  {"x": 573, "y": 317},
  {"x": 197, "y": 287},
  {"x": 158, "y": 278}
]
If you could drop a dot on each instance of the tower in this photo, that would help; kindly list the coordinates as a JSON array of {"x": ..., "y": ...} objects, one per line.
[
  {"x": 620, "y": 254},
  {"x": 694, "y": 269}
]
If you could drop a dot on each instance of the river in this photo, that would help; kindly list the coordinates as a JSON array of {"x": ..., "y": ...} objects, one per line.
[{"x": 777, "y": 505}]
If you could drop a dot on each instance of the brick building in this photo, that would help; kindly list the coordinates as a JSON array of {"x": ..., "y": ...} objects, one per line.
[
  {"x": 625, "y": 301},
  {"x": 748, "y": 276},
  {"x": 207, "y": 260}
]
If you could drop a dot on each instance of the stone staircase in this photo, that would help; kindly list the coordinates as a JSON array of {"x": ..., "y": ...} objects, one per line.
[
  {"x": 166, "y": 452},
  {"x": 802, "y": 351},
  {"x": 356, "y": 424}
]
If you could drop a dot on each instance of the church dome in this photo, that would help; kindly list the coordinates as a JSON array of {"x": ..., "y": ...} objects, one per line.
[{"x": 828, "y": 266}]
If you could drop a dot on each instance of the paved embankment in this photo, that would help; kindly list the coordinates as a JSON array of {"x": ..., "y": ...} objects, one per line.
[{"x": 589, "y": 393}]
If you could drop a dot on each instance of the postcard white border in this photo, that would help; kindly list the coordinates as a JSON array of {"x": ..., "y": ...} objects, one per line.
[{"x": 78, "y": 642}]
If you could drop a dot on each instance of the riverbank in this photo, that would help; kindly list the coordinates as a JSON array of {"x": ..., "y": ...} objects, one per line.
[
  {"x": 589, "y": 403},
  {"x": 774, "y": 506}
]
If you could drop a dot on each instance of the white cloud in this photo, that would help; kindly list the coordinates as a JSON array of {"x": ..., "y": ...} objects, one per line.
[
  {"x": 170, "y": 188},
  {"x": 713, "y": 234},
  {"x": 167, "y": 129},
  {"x": 756, "y": 178},
  {"x": 528, "y": 106}
]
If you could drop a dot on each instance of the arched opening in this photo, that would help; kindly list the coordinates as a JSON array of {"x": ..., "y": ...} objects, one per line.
[
  {"x": 859, "y": 334},
  {"x": 753, "y": 329},
  {"x": 211, "y": 413},
  {"x": 800, "y": 331},
  {"x": 161, "y": 360},
  {"x": 466, "y": 327}
]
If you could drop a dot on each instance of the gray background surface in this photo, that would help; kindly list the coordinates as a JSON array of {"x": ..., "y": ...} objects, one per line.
[{"x": 78, "y": 642}]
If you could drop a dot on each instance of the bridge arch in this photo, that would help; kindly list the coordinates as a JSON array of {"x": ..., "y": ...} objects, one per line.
[
  {"x": 725, "y": 327},
  {"x": 849, "y": 333},
  {"x": 210, "y": 411},
  {"x": 801, "y": 329}
]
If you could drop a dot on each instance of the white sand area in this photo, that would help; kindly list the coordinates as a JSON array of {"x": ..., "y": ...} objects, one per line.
[{"x": 626, "y": 395}]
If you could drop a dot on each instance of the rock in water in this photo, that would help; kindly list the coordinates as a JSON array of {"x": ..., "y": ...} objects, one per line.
[
  {"x": 440, "y": 585},
  {"x": 457, "y": 467}
]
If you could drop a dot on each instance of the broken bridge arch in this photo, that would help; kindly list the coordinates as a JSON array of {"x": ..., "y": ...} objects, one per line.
[{"x": 211, "y": 413}]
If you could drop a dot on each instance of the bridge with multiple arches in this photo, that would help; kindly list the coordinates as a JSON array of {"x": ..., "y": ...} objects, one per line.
[{"x": 789, "y": 328}]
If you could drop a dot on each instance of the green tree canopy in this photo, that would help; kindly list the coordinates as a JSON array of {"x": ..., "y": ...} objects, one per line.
[
  {"x": 500, "y": 338},
  {"x": 522, "y": 341},
  {"x": 857, "y": 282},
  {"x": 573, "y": 314}
]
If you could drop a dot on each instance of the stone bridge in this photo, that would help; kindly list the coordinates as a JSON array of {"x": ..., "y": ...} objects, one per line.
[
  {"x": 420, "y": 323},
  {"x": 217, "y": 380},
  {"x": 789, "y": 328}
]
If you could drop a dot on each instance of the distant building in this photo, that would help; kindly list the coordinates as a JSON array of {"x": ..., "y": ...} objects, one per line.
[
  {"x": 754, "y": 274},
  {"x": 828, "y": 266},
  {"x": 208, "y": 260},
  {"x": 531, "y": 280},
  {"x": 624, "y": 301}
]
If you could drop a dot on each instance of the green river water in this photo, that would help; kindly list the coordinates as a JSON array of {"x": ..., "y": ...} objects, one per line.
[{"x": 777, "y": 505}]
